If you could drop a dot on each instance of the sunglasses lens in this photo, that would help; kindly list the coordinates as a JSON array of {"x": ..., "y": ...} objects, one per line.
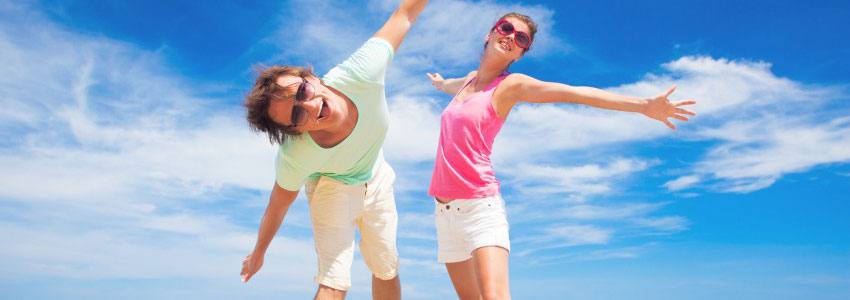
[
  {"x": 305, "y": 91},
  {"x": 506, "y": 27},
  {"x": 297, "y": 115},
  {"x": 522, "y": 39},
  {"x": 309, "y": 92}
]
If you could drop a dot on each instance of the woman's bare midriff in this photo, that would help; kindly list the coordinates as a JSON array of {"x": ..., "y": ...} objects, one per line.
[{"x": 443, "y": 200}]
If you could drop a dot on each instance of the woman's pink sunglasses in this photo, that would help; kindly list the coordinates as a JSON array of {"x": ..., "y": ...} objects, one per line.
[{"x": 521, "y": 39}]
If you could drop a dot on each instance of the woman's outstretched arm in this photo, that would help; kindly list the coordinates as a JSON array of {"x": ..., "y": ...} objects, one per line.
[
  {"x": 449, "y": 86},
  {"x": 521, "y": 87}
]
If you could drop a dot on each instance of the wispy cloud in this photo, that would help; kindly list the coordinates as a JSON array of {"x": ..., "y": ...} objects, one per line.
[
  {"x": 577, "y": 182},
  {"x": 682, "y": 182},
  {"x": 589, "y": 225},
  {"x": 588, "y": 255},
  {"x": 115, "y": 154},
  {"x": 765, "y": 126},
  {"x": 115, "y": 166},
  {"x": 775, "y": 146}
]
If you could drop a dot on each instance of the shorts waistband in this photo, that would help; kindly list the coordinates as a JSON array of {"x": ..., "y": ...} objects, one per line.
[{"x": 469, "y": 202}]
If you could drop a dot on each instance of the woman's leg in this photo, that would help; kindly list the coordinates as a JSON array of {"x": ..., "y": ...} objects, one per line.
[
  {"x": 491, "y": 271},
  {"x": 464, "y": 279}
]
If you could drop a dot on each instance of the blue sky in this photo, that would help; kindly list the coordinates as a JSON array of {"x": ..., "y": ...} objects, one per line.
[{"x": 127, "y": 170}]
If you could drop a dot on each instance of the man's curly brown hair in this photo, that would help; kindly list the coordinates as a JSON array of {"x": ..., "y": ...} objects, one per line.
[{"x": 265, "y": 91}]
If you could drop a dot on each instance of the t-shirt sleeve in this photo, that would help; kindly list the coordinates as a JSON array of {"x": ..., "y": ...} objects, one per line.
[
  {"x": 289, "y": 174},
  {"x": 369, "y": 63}
]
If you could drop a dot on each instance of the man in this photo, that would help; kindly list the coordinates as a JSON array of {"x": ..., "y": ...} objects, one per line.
[{"x": 330, "y": 133}]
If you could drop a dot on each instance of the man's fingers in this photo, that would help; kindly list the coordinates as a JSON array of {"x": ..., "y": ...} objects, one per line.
[{"x": 246, "y": 275}]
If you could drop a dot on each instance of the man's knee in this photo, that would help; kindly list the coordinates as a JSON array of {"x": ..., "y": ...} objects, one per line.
[{"x": 391, "y": 275}]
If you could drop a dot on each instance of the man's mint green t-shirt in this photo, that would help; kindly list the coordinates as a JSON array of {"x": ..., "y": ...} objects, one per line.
[{"x": 361, "y": 78}]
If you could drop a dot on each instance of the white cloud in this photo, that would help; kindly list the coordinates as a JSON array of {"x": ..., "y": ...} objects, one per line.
[
  {"x": 200, "y": 248},
  {"x": 726, "y": 86},
  {"x": 111, "y": 156},
  {"x": 139, "y": 122},
  {"x": 583, "y": 224},
  {"x": 414, "y": 129},
  {"x": 756, "y": 153},
  {"x": 682, "y": 182},
  {"x": 591, "y": 255},
  {"x": 578, "y": 182},
  {"x": 620, "y": 211},
  {"x": 562, "y": 236},
  {"x": 664, "y": 225},
  {"x": 767, "y": 126},
  {"x": 116, "y": 149},
  {"x": 417, "y": 226},
  {"x": 580, "y": 234},
  {"x": 542, "y": 130},
  {"x": 449, "y": 34}
]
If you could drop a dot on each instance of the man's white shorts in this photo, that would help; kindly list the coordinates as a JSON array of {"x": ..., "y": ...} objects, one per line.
[
  {"x": 337, "y": 209},
  {"x": 464, "y": 225}
]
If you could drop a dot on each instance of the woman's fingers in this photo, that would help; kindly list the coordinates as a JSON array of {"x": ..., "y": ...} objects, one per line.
[
  {"x": 670, "y": 91},
  {"x": 685, "y": 112},
  {"x": 686, "y": 102},
  {"x": 683, "y": 118},
  {"x": 669, "y": 124}
]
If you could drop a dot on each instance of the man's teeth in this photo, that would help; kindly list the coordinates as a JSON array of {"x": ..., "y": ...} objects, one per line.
[{"x": 319, "y": 114}]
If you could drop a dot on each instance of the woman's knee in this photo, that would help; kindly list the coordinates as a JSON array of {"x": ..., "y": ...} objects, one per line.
[{"x": 495, "y": 295}]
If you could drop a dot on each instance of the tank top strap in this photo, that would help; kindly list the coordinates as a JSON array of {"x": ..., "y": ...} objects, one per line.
[
  {"x": 464, "y": 86},
  {"x": 488, "y": 87}
]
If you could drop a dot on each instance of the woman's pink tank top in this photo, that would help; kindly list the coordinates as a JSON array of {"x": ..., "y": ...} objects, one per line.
[{"x": 468, "y": 128}]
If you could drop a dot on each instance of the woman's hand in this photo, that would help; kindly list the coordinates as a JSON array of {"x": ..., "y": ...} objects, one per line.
[
  {"x": 660, "y": 108},
  {"x": 437, "y": 81}
]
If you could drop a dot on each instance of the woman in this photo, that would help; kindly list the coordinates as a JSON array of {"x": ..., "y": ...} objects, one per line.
[{"x": 472, "y": 228}]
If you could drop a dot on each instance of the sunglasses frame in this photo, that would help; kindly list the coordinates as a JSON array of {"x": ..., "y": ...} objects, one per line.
[
  {"x": 299, "y": 98},
  {"x": 498, "y": 28}
]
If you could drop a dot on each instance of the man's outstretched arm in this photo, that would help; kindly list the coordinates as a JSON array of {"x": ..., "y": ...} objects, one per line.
[
  {"x": 279, "y": 203},
  {"x": 400, "y": 22}
]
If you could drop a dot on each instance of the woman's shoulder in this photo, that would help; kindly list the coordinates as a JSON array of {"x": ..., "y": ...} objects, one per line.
[
  {"x": 470, "y": 75},
  {"x": 510, "y": 87},
  {"x": 518, "y": 76},
  {"x": 516, "y": 79}
]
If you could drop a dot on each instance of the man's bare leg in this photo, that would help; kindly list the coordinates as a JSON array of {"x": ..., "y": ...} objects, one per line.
[
  {"x": 386, "y": 289},
  {"x": 328, "y": 293}
]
